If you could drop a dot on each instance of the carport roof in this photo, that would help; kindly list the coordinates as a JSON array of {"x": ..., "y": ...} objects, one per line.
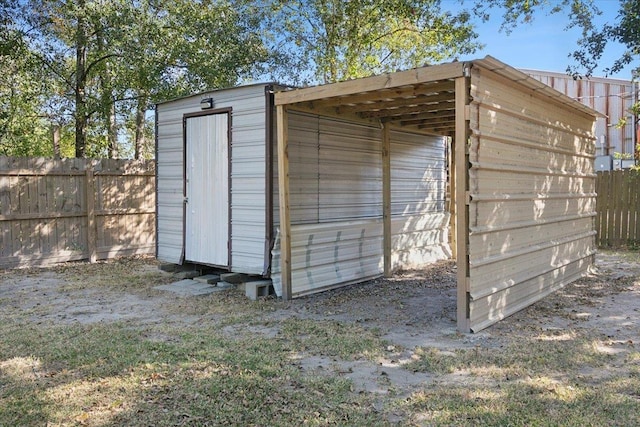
[{"x": 422, "y": 99}]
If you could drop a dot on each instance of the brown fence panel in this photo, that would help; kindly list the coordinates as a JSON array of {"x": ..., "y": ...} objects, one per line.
[
  {"x": 70, "y": 209},
  {"x": 125, "y": 208},
  {"x": 618, "y": 206}
]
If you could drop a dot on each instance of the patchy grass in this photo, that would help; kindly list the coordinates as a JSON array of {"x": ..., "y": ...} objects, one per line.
[
  {"x": 231, "y": 361},
  {"x": 525, "y": 356},
  {"x": 114, "y": 375}
]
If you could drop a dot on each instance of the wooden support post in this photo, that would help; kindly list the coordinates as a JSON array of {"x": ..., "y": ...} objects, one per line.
[
  {"x": 461, "y": 180},
  {"x": 90, "y": 198},
  {"x": 452, "y": 197},
  {"x": 386, "y": 198},
  {"x": 283, "y": 190}
]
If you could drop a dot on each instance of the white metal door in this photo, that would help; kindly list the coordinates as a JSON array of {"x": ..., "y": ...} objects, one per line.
[{"x": 207, "y": 189}]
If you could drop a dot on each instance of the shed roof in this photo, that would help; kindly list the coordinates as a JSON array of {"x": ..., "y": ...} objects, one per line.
[{"x": 422, "y": 99}]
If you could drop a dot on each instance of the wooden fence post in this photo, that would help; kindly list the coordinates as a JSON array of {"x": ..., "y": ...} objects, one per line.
[{"x": 90, "y": 195}]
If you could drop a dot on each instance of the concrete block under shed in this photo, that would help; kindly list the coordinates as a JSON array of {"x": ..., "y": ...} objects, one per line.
[
  {"x": 208, "y": 278},
  {"x": 186, "y": 274},
  {"x": 257, "y": 288},
  {"x": 225, "y": 285},
  {"x": 170, "y": 268},
  {"x": 235, "y": 278}
]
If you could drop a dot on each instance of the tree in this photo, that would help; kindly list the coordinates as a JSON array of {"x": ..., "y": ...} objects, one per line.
[
  {"x": 109, "y": 61},
  {"x": 25, "y": 128},
  {"x": 333, "y": 40},
  {"x": 212, "y": 45}
]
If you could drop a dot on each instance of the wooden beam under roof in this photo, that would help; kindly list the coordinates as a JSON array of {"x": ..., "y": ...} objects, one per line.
[
  {"x": 380, "y": 104},
  {"x": 386, "y": 94},
  {"x": 418, "y": 118},
  {"x": 400, "y": 111},
  {"x": 374, "y": 83},
  {"x": 436, "y": 123}
]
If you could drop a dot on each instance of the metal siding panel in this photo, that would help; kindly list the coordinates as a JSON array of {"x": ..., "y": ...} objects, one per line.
[
  {"x": 303, "y": 168},
  {"x": 419, "y": 223},
  {"x": 350, "y": 171},
  {"x": 169, "y": 190},
  {"x": 329, "y": 254},
  {"x": 335, "y": 170},
  {"x": 492, "y": 213},
  {"x": 248, "y": 174},
  {"x": 486, "y": 311},
  {"x": 336, "y": 202},
  {"x": 532, "y": 199}
]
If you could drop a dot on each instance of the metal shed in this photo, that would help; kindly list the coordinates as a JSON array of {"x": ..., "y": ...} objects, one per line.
[
  {"x": 358, "y": 184},
  {"x": 522, "y": 179},
  {"x": 213, "y": 179}
]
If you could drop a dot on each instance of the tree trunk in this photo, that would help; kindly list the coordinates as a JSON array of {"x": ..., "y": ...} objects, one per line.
[
  {"x": 80, "y": 83},
  {"x": 55, "y": 133},
  {"x": 112, "y": 131},
  {"x": 108, "y": 105},
  {"x": 140, "y": 122}
]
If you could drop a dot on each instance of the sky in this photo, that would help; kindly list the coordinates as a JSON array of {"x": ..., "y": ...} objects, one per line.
[{"x": 543, "y": 44}]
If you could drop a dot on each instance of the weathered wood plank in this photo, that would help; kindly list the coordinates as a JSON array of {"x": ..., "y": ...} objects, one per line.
[
  {"x": 461, "y": 172},
  {"x": 44, "y": 205},
  {"x": 617, "y": 211},
  {"x": 90, "y": 200},
  {"x": 634, "y": 232},
  {"x": 284, "y": 199},
  {"x": 370, "y": 84}
]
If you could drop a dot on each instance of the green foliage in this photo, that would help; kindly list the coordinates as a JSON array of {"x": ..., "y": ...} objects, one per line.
[
  {"x": 106, "y": 63},
  {"x": 95, "y": 68},
  {"x": 330, "y": 41},
  {"x": 580, "y": 14}
]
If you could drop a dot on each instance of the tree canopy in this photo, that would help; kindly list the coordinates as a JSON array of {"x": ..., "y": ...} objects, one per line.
[
  {"x": 89, "y": 71},
  {"x": 332, "y": 40},
  {"x": 95, "y": 67}
]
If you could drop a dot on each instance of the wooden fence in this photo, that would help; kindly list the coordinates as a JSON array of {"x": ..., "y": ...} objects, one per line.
[
  {"x": 61, "y": 210},
  {"x": 618, "y": 208}
]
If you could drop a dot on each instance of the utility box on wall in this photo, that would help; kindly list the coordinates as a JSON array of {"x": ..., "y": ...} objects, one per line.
[{"x": 603, "y": 163}]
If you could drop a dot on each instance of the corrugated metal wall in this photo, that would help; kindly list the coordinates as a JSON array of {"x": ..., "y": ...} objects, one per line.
[
  {"x": 335, "y": 170},
  {"x": 611, "y": 97},
  {"x": 532, "y": 198},
  {"x": 419, "y": 220},
  {"x": 247, "y": 175},
  {"x": 336, "y": 202}
]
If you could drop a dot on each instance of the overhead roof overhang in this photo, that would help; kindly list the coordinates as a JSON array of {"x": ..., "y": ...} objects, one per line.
[{"x": 421, "y": 99}]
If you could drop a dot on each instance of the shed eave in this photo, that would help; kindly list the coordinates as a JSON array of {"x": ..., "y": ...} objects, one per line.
[
  {"x": 221, "y": 89},
  {"x": 371, "y": 84},
  {"x": 492, "y": 64}
]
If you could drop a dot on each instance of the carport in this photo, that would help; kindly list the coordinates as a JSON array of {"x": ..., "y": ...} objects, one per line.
[{"x": 521, "y": 178}]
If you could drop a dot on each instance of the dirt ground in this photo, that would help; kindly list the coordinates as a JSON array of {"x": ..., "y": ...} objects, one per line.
[{"x": 414, "y": 309}]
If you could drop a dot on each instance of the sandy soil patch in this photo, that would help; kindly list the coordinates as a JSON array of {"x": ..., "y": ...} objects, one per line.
[{"x": 413, "y": 310}]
